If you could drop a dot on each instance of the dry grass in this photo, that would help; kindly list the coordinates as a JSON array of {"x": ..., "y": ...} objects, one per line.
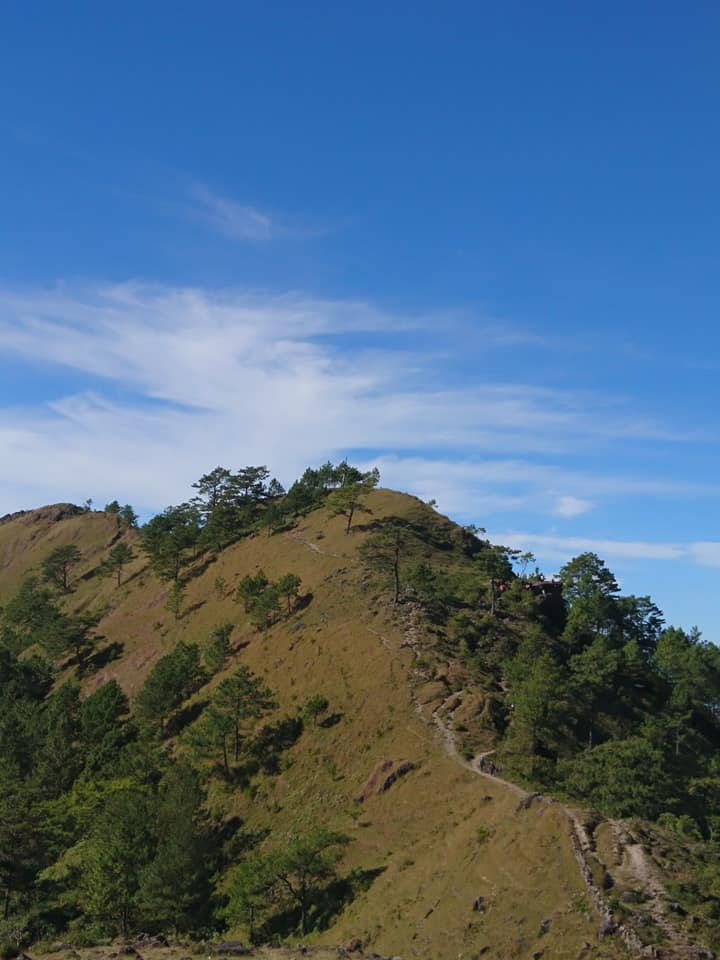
[{"x": 442, "y": 836}]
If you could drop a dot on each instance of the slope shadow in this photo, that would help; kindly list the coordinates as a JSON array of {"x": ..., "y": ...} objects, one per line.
[
  {"x": 234, "y": 841},
  {"x": 272, "y": 740},
  {"x": 101, "y": 658},
  {"x": 326, "y": 905},
  {"x": 198, "y": 566},
  {"x": 331, "y": 720},
  {"x": 188, "y": 610},
  {"x": 302, "y": 602},
  {"x": 184, "y": 717},
  {"x": 427, "y": 532}
]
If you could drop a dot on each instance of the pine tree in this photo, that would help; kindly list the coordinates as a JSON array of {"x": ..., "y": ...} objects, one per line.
[{"x": 58, "y": 563}]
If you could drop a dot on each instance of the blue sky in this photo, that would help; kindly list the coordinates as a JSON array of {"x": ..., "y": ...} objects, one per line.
[{"x": 474, "y": 243}]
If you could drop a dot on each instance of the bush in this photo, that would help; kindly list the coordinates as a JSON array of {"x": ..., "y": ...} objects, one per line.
[
  {"x": 683, "y": 825},
  {"x": 622, "y": 778}
]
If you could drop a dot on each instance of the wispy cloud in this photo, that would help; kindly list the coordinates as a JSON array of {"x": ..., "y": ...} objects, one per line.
[
  {"x": 236, "y": 220},
  {"x": 569, "y": 506},
  {"x": 705, "y": 552},
  {"x": 474, "y": 486},
  {"x": 170, "y": 381},
  {"x": 560, "y": 549}
]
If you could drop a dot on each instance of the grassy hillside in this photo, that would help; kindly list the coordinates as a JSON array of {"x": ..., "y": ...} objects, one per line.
[{"x": 454, "y": 864}]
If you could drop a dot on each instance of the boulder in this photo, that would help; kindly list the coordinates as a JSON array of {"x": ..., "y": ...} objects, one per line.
[{"x": 232, "y": 948}]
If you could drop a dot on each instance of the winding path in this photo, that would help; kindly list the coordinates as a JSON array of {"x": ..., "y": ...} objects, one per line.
[
  {"x": 580, "y": 842},
  {"x": 636, "y": 868}
]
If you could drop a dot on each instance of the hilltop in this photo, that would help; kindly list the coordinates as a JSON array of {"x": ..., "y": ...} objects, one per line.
[{"x": 378, "y": 718}]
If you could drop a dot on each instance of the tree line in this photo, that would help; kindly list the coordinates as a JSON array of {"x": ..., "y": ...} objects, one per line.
[
  {"x": 229, "y": 506},
  {"x": 592, "y": 696}
]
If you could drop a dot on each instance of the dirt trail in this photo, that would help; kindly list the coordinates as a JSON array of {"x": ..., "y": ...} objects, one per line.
[
  {"x": 638, "y": 865},
  {"x": 581, "y": 843},
  {"x": 636, "y": 869},
  {"x": 638, "y": 872},
  {"x": 448, "y": 738},
  {"x": 292, "y": 535}
]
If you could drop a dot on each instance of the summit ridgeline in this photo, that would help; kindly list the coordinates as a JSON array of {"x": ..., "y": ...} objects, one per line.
[{"x": 330, "y": 716}]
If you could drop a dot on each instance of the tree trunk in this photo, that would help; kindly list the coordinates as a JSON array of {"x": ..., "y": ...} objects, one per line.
[
  {"x": 396, "y": 573},
  {"x": 304, "y": 909}
]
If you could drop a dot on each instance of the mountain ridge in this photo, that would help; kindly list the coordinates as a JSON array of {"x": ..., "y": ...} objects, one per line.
[{"x": 461, "y": 858}]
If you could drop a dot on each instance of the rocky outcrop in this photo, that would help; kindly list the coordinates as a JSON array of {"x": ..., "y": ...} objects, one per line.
[
  {"x": 383, "y": 777},
  {"x": 53, "y": 513}
]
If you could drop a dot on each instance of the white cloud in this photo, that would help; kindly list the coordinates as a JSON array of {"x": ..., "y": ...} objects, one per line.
[
  {"x": 232, "y": 219},
  {"x": 706, "y": 553},
  {"x": 569, "y": 506},
  {"x": 472, "y": 487},
  {"x": 561, "y": 549},
  {"x": 173, "y": 381}
]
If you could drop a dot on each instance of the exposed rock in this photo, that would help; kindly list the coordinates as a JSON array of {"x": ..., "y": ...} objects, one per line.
[
  {"x": 354, "y": 945},
  {"x": 232, "y": 948},
  {"x": 545, "y": 925},
  {"x": 479, "y": 904},
  {"x": 53, "y": 512},
  {"x": 526, "y": 802},
  {"x": 383, "y": 777},
  {"x": 400, "y": 771},
  {"x": 7, "y": 517},
  {"x": 145, "y": 940},
  {"x": 607, "y": 927}
]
